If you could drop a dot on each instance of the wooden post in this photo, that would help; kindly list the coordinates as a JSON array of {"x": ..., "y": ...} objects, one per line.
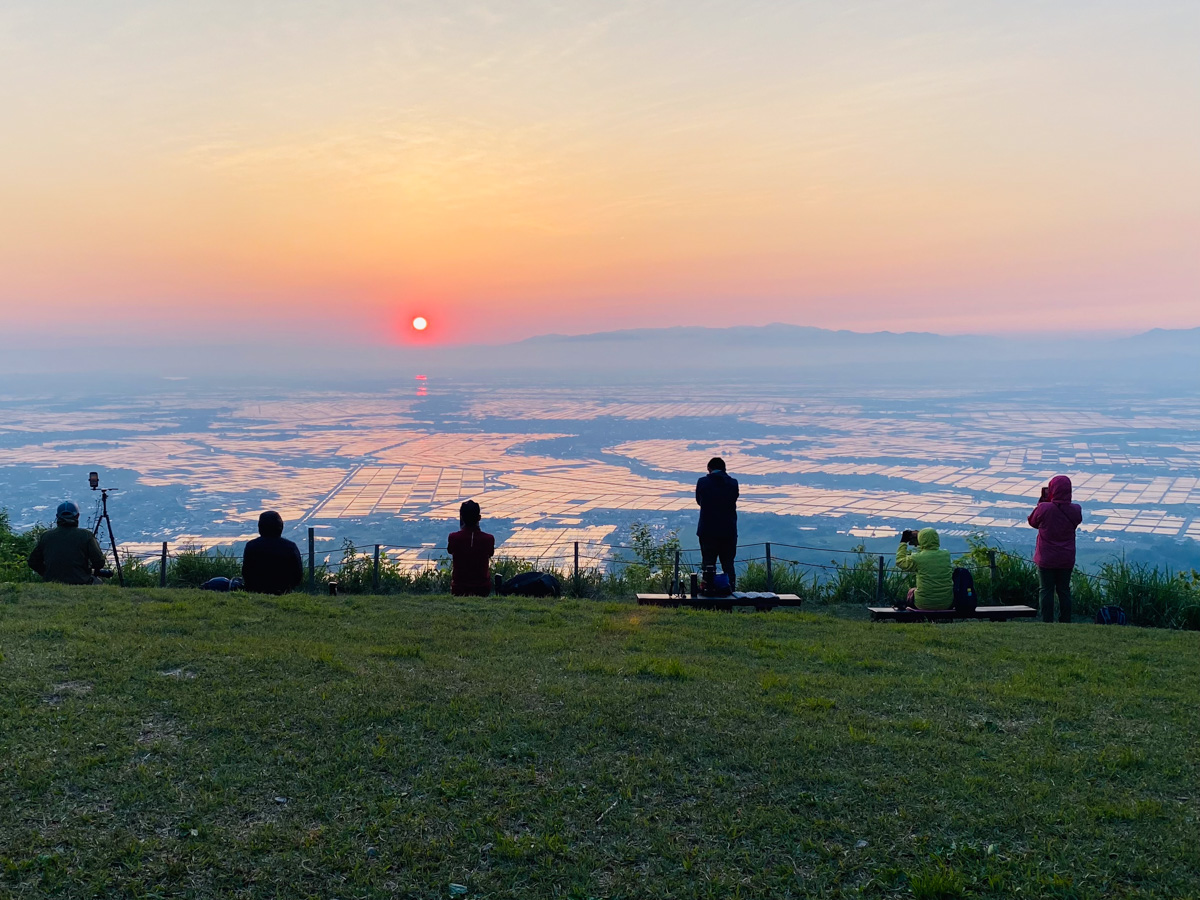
[
  {"x": 879, "y": 584},
  {"x": 162, "y": 567},
  {"x": 994, "y": 575},
  {"x": 312, "y": 561},
  {"x": 576, "y": 578},
  {"x": 375, "y": 573},
  {"x": 770, "y": 575}
]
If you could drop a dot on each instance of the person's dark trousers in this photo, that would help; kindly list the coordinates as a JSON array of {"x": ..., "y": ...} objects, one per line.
[
  {"x": 1055, "y": 581},
  {"x": 725, "y": 549}
]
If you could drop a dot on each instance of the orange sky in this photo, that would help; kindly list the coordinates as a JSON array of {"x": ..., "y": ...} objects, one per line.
[{"x": 509, "y": 170}]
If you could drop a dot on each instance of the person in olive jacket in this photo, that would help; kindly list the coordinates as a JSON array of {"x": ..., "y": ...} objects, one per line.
[
  {"x": 67, "y": 553},
  {"x": 271, "y": 564},
  {"x": 935, "y": 572}
]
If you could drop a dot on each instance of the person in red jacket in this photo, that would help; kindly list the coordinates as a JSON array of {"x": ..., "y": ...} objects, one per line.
[
  {"x": 1056, "y": 519},
  {"x": 471, "y": 551}
]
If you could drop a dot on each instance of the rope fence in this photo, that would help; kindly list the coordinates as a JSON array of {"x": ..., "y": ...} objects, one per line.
[{"x": 853, "y": 572}]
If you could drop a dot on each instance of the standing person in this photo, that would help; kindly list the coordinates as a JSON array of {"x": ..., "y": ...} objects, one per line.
[
  {"x": 717, "y": 495},
  {"x": 67, "y": 553},
  {"x": 935, "y": 572},
  {"x": 1056, "y": 518},
  {"x": 471, "y": 551},
  {"x": 271, "y": 564}
]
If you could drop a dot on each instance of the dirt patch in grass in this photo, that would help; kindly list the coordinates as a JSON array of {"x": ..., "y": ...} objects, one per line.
[{"x": 65, "y": 690}]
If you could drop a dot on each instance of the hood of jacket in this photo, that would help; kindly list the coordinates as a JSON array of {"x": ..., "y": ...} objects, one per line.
[
  {"x": 927, "y": 539},
  {"x": 1060, "y": 489}
]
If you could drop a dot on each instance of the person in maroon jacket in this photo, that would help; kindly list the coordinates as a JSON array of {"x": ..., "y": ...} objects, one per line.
[
  {"x": 1056, "y": 519},
  {"x": 471, "y": 551}
]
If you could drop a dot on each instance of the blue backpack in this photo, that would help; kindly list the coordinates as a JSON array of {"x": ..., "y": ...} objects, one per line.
[
  {"x": 964, "y": 590},
  {"x": 1111, "y": 615}
]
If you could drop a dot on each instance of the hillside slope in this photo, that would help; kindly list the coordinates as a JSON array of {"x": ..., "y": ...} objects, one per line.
[{"x": 181, "y": 743}]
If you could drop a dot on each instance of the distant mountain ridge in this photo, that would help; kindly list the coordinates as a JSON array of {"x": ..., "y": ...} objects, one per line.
[
  {"x": 779, "y": 332},
  {"x": 779, "y": 349},
  {"x": 774, "y": 332}
]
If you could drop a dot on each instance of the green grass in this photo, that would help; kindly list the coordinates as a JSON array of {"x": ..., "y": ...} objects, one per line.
[{"x": 181, "y": 744}]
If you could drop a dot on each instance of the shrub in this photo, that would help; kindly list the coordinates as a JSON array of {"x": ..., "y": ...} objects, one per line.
[
  {"x": 653, "y": 565},
  {"x": 1016, "y": 580},
  {"x": 15, "y": 549},
  {"x": 856, "y": 580}
]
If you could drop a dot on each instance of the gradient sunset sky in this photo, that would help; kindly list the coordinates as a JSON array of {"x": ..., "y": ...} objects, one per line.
[{"x": 312, "y": 169}]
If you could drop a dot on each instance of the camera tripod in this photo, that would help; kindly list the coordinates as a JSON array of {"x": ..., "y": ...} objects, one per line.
[{"x": 107, "y": 520}]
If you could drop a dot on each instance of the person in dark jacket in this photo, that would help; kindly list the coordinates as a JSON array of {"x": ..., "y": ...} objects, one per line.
[
  {"x": 271, "y": 564},
  {"x": 67, "y": 553},
  {"x": 717, "y": 495},
  {"x": 1056, "y": 518},
  {"x": 471, "y": 551}
]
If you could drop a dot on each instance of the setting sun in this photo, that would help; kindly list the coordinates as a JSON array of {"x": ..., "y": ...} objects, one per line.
[{"x": 419, "y": 323}]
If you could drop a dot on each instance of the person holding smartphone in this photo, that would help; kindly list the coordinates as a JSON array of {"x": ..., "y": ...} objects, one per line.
[
  {"x": 932, "y": 565},
  {"x": 1056, "y": 518}
]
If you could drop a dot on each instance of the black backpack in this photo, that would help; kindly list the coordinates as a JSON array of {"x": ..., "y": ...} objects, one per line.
[
  {"x": 1111, "y": 615},
  {"x": 223, "y": 585},
  {"x": 964, "y": 590},
  {"x": 532, "y": 584}
]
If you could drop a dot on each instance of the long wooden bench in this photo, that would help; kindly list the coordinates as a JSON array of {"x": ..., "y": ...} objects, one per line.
[
  {"x": 760, "y": 600},
  {"x": 991, "y": 613}
]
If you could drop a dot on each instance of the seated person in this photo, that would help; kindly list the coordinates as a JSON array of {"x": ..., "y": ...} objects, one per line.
[
  {"x": 271, "y": 564},
  {"x": 935, "y": 578},
  {"x": 471, "y": 551},
  {"x": 67, "y": 553}
]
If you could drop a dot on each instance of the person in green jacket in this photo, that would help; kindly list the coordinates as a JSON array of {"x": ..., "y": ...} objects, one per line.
[
  {"x": 67, "y": 553},
  {"x": 935, "y": 581}
]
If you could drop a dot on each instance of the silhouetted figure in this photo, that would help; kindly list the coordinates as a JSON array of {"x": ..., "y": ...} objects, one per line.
[
  {"x": 717, "y": 495},
  {"x": 1056, "y": 518},
  {"x": 935, "y": 572},
  {"x": 471, "y": 552},
  {"x": 271, "y": 564},
  {"x": 67, "y": 553}
]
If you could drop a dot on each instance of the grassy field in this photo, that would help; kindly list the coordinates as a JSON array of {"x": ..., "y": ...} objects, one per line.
[{"x": 179, "y": 744}]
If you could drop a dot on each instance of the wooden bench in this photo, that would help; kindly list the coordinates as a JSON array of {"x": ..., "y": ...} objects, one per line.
[
  {"x": 991, "y": 613},
  {"x": 761, "y": 601}
]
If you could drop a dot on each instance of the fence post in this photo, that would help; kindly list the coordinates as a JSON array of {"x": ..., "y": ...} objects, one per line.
[
  {"x": 994, "y": 574},
  {"x": 312, "y": 561},
  {"x": 575, "y": 576},
  {"x": 879, "y": 584},
  {"x": 770, "y": 578},
  {"x": 676, "y": 587},
  {"x": 375, "y": 572},
  {"x": 162, "y": 567}
]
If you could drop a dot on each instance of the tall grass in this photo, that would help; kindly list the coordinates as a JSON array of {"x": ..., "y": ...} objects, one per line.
[{"x": 1150, "y": 595}]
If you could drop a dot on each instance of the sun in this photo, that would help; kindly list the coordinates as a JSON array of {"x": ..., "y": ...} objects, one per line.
[{"x": 419, "y": 323}]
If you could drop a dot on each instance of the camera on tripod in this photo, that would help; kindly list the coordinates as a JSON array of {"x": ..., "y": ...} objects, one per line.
[{"x": 103, "y": 517}]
